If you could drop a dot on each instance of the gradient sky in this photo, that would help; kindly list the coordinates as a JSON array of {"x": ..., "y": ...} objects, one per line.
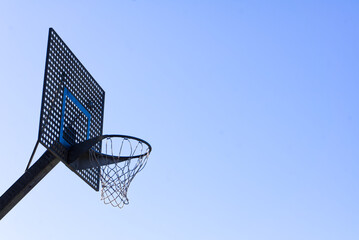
[{"x": 251, "y": 107}]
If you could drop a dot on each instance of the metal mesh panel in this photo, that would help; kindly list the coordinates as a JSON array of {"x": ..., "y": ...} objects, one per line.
[
  {"x": 64, "y": 72},
  {"x": 75, "y": 123}
]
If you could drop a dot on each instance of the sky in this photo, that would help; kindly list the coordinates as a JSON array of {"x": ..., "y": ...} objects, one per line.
[{"x": 251, "y": 108}]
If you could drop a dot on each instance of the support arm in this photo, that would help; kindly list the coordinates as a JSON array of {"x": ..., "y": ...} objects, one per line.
[{"x": 26, "y": 182}]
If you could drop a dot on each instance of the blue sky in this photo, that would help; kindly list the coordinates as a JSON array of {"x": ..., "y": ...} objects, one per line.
[{"x": 251, "y": 108}]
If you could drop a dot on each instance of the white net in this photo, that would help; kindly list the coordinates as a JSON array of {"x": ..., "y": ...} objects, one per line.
[{"x": 120, "y": 160}]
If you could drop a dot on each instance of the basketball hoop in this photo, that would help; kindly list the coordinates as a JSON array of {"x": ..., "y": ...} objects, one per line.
[
  {"x": 71, "y": 124},
  {"x": 119, "y": 160}
]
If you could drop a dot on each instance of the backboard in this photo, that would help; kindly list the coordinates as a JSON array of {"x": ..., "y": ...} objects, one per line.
[{"x": 72, "y": 105}]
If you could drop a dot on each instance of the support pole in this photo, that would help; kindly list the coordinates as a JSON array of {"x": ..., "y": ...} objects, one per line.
[
  {"x": 32, "y": 155},
  {"x": 26, "y": 182}
]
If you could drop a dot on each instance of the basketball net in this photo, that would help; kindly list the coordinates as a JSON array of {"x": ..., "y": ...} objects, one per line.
[{"x": 116, "y": 178}]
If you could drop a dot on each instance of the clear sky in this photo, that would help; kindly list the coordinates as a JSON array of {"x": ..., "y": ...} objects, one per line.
[{"x": 251, "y": 107}]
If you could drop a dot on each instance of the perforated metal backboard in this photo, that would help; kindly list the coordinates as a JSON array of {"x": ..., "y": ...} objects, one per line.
[{"x": 72, "y": 105}]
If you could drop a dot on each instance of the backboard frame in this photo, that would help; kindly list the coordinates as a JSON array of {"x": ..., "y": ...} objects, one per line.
[{"x": 72, "y": 107}]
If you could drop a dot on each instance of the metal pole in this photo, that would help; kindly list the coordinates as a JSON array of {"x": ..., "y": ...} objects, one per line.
[{"x": 26, "y": 182}]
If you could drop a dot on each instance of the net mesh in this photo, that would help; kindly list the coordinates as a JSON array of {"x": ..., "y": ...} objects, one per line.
[{"x": 117, "y": 175}]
